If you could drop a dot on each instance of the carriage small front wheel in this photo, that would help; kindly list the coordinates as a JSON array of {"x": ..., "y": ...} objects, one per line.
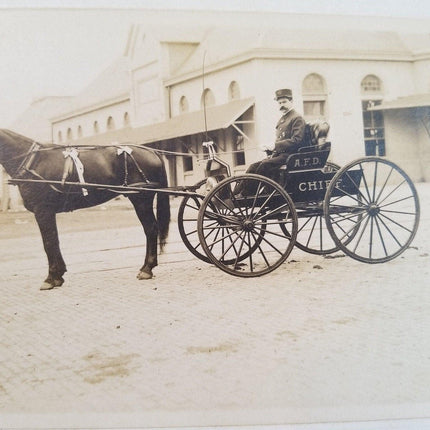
[
  {"x": 241, "y": 225},
  {"x": 372, "y": 210}
]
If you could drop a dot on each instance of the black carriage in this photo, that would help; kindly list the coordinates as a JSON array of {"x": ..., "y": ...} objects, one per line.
[{"x": 368, "y": 209}]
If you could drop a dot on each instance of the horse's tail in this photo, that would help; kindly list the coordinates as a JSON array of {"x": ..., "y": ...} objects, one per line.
[{"x": 163, "y": 209}]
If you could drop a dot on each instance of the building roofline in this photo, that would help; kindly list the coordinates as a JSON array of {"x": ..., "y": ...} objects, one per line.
[
  {"x": 293, "y": 54},
  {"x": 90, "y": 108}
]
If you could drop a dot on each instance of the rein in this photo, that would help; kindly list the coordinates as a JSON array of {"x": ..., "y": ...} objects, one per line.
[{"x": 35, "y": 147}]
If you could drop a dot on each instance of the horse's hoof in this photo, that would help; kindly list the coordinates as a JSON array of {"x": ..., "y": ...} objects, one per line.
[
  {"x": 47, "y": 286},
  {"x": 58, "y": 282},
  {"x": 144, "y": 275}
]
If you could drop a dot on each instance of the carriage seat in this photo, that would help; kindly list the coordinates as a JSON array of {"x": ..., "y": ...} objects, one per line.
[
  {"x": 307, "y": 158},
  {"x": 310, "y": 156}
]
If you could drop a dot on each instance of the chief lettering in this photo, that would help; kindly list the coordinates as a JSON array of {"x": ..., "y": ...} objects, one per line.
[{"x": 314, "y": 185}]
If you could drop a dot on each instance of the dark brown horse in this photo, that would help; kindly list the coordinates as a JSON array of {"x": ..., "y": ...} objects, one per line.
[{"x": 107, "y": 165}]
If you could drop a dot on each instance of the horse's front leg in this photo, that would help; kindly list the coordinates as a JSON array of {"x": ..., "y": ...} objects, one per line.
[
  {"x": 144, "y": 210},
  {"x": 46, "y": 220}
]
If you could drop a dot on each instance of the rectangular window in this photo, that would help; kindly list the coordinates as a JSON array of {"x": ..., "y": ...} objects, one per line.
[
  {"x": 373, "y": 129},
  {"x": 187, "y": 145},
  {"x": 314, "y": 108},
  {"x": 239, "y": 154},
  {"x": 188, "y": 163}
]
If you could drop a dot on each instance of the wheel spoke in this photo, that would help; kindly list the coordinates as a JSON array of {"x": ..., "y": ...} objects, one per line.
[
  {"x": 392, "y": 191},
  {"x": 383, "y": 186},
  {"x": 390, "y": 232},
  {"x": 347, "y": 233},
  {"x": 363, "y": 229},
  {"x": 381, "y": 237},
  {"x": 395, "y": 222},
  {"x": 261, "y": 253},
  {"x": 357, "y": 188},
  {"x": 363, "y": 177},
  {"x": 396, "y": 201},
  {"x": 352, "y": 196},
  {"x": 272, "y": 212},
  {"x": 282, "y": 236}
]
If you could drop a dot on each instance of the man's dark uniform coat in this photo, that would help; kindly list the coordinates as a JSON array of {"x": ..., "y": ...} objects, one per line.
[{"x": 290, "y": 133}]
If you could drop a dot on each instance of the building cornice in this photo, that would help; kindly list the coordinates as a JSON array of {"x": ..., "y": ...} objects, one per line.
[
  {"x": 295, "y": 54},
  {"x": 91, "y": 108}
]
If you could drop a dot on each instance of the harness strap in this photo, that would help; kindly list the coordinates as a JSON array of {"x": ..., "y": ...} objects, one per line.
[
  {"x": 126, "y": 150},
  {"x": 25, "y": 166},
  {"x": 73, "y": 154}
]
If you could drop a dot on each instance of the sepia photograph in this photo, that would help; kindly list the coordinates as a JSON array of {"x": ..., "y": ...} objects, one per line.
[{"x": 215, "y": 214}]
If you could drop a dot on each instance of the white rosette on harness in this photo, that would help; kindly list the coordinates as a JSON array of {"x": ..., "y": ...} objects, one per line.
[{"x": 73, "y": 154}]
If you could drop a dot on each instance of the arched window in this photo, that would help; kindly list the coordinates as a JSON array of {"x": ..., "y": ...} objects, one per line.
[
  {"x": 373, "y": 121},
  {"x": 69, "y": 135},
  {"x": 79, "y": 131},
  {"x": 183, "y": 105},
  {"x": 96, "y": 127},
  {"x": 371, "y": 84},
  {"x": 126, "y": 120},
  {"x": 233, "y": 91},
  {"x": 110, "y": 124},
  {"x": 60, "y": 137},
  {"x": 208, "y": 98},
  {"x": 314, "y": 94}
]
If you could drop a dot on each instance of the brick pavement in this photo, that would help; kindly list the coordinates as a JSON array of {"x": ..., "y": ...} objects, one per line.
[{"x": 194, "y": 346}]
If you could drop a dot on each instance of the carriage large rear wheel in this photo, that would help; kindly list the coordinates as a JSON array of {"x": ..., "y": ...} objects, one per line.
[
  {"x": 242, "y": 234},
  {"x": 372, "y": 210}
]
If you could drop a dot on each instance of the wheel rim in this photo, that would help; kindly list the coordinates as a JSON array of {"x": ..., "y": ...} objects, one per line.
[
  {"x": 372, "y": 210},
  {"x": 243, "y": 236},
  {"x": 187, "y": 224}
]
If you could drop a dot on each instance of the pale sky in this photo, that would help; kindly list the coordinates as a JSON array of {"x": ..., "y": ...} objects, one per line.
[{"x": 50, "y": 47}]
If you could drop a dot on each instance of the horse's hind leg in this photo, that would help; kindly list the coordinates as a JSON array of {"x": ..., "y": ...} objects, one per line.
[
  {"x": 144, "y": 210},
  {"x": 46, "y": 220}
]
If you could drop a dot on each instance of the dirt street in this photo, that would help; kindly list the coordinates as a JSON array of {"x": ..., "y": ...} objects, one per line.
[{"x": 318, "y": 340}]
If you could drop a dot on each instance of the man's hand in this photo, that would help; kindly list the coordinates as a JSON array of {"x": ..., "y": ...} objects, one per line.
[{"x": 269, "y": 148}]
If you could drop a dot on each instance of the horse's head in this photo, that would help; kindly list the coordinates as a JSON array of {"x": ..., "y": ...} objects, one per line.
[
  {"x": 13, "y": 148},
  {"x": 3, "y": 143}
]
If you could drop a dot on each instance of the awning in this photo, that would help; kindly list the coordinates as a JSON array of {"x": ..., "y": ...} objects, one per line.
[
  {"x": 408, "y": 102},
  {"x": 217, "y": 117}
]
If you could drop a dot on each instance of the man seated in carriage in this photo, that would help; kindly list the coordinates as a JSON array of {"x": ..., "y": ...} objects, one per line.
[
  {"x": 292, "y": 133},
  {"x": 290, "y": 136}
]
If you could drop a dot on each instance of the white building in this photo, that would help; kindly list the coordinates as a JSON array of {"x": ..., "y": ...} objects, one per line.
[{"x": 180, "y": 84}]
